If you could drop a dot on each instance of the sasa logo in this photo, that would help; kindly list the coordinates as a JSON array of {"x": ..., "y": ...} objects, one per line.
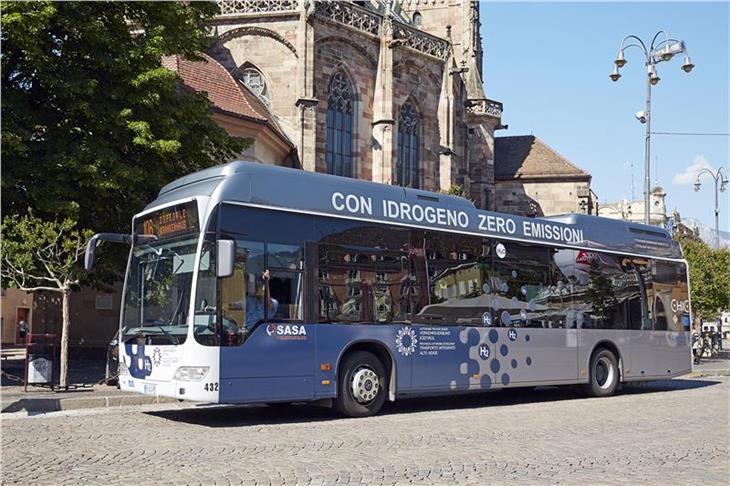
[{"x": 285, "y": 330}]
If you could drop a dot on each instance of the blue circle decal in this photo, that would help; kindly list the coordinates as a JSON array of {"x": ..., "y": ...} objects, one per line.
[
  {"x": 493, "y": 336},
  {"x": 495, "y": 366},
  {"x": 512, "y": 334},
  {"x": 527, "y": 338},
  {"x": 503, "y": 350},
  {"x": 528, "y": 361},
  {"x": 473, "y": 337},
  {"x": 505, "y": 379},
  {"x": 484, "y": 351},
  {"x": 486, "y": 381},
  {"x": 514, "y": 363}
]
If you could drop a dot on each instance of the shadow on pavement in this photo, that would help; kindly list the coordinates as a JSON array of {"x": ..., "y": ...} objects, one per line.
[{"x": 253, "y": 415}]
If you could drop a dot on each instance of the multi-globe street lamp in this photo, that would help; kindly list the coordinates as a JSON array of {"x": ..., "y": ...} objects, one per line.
[
  {"x": 659, "y": 50},
  {"x": 720, "y": 182}
]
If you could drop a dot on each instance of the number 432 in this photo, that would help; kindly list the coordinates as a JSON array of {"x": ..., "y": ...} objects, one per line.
[{"x": 211, "y": 386}]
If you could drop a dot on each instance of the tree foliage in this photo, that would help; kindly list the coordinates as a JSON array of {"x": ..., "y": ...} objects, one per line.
[
  {"x": 93, "y": 126},
  {"x": 456, "y": 190},
  {"x": 709, "y": 272},
  {"x": 41, "y": 255}
]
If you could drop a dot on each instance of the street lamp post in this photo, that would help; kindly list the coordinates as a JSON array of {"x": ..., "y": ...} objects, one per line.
[
  {"x": 663, "y": 50},
  {"x": 720, "y": 179}
]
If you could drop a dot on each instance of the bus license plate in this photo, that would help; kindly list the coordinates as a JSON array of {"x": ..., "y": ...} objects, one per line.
[{"x": 149, "y": 389}]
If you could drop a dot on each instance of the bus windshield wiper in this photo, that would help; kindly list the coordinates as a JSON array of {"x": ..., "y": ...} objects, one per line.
[{"x": 164, "y": 331}]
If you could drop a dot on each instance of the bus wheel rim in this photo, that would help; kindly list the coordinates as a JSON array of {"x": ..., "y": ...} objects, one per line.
[
  {"x": 364, "y": 385},
  {"x": 604, "y": 373}
]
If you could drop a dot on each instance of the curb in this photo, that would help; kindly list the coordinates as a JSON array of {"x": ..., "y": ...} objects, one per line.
[
  {"x": 44, "y": 405},
  {"x": 708, "y": 373}
]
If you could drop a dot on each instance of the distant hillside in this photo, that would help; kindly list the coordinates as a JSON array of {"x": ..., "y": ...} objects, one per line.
[{"x": 707, "y": 233}]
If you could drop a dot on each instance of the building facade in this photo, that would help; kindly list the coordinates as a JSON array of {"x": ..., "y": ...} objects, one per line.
[
  {"x": 377, "y": 90},
  {"x": 634, "y": 210},
  {"x": 94, "y": 316},
  {"x": 532, "y": 179}
]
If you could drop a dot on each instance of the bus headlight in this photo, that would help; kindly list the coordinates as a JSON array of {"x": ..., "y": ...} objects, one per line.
[{"x": 191, "y": 373}]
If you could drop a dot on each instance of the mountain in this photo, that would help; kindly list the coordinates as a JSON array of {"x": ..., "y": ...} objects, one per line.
[{"x": 707, "y": 233}]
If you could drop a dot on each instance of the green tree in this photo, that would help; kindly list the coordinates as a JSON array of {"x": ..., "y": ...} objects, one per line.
[
  {"x": 455, "y": 190},
  {"x": 709, "y": 274},
  {"x": 93, "y": 126},
  {"x": 40, "y": 255}
]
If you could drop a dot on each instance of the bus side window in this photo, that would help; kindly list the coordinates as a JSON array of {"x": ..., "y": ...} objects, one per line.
[
  {"x": 242, "y": 294},
  {"x": 526, "y": 291},
  {"x": 368, "y": 273},
  {"x": 670, "y": 294},
  {"x": 458, "y": 269}
]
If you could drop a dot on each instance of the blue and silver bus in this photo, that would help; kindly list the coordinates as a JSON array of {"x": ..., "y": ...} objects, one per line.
[{"x": 249, "y": 283}]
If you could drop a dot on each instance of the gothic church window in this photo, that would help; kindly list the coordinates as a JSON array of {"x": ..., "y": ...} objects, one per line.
[
  {"x": 417, "y": 19},
  {"x": 407, "y": 163},
  {"x": 340, "y": 108},
  {"x": 254, "y": 80}
]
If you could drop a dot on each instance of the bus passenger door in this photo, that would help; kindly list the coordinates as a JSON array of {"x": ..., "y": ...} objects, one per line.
[
  {"x": 267, "y": 350},
  {"x": 276, "y": 363}
]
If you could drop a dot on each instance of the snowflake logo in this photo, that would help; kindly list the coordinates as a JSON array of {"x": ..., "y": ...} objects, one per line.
[
  {"x": 406, "y": 341},
  {"x": 157, "y": 356}
]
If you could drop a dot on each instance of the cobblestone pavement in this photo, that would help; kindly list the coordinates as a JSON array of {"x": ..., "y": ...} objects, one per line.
[{"x": 671, "y": 432}]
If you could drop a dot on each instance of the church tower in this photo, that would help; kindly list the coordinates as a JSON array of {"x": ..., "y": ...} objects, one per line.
[
  {"x": 459, "y": 22},
  {"x": 382, "y": 90}
]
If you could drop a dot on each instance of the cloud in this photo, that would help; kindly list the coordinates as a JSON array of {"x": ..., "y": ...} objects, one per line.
[{"x": 689, "y": 175}]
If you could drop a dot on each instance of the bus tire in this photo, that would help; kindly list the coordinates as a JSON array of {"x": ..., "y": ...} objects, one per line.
[
  {"x": 362, "y": 385},
  {"x": 603, "y": 374}
]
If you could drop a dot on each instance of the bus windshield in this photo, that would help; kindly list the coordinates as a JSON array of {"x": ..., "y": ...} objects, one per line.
[{"x": 157, "y": 294}]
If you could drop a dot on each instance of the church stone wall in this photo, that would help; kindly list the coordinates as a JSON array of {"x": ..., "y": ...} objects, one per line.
[
  {"x": 297, "y": 48},
  {"x": 541, "y": 197},
  {"x": 342, "y": 49},
  {"x": 270, "y": 48},
  {"x": 418, "y": 79}
]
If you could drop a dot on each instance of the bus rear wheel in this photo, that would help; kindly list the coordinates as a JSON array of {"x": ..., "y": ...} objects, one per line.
[
  {"x": 362, "y": 385},
  {"x": 604, "y": 375}
]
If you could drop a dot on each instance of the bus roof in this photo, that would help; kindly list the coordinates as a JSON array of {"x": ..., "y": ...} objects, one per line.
[{"x": 258, "y": 184}]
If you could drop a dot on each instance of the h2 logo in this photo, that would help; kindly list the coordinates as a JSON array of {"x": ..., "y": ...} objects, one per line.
[{"x": 140, "y": 366}]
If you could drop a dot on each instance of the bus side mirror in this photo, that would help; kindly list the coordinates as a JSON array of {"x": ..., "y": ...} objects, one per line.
[
  {"x": 114, "y": 238},
  {"x": 225, "y": 257},
  {"x": 90, "y": 249}
]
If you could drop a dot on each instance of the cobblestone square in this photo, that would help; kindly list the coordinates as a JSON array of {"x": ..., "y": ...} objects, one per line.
[{"x": 670, "y": 432}]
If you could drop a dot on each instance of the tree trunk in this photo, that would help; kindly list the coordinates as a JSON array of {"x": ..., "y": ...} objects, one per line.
[{"x": 63, "y": 381}]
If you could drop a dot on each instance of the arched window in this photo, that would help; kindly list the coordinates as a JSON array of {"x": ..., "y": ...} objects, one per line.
[
  {"x": 254, "y": 80},
  {"x": 340, "y": 108},
  {"x": 407, "y": 164},
  {"x": 417, "y": 19}
]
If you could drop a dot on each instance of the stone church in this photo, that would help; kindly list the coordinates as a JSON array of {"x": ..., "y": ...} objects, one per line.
[{"x": 382, "y": 90}]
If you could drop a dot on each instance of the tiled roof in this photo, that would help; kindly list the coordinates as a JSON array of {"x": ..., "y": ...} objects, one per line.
[
  {"x": 226, "y": 94},
  {"x": 526, "y": 157}
]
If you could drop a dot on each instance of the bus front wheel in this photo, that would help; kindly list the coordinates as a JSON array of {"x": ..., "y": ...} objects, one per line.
[
  {"x": 604, "y": 374},
  {"x": 362, "y": 385}
]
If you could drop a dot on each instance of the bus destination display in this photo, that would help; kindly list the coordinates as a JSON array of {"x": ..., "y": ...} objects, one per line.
[{"x": 169, "y": 222}]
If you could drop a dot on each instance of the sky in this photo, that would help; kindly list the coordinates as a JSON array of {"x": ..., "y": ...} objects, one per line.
[{"x": 549, "y": 64}]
